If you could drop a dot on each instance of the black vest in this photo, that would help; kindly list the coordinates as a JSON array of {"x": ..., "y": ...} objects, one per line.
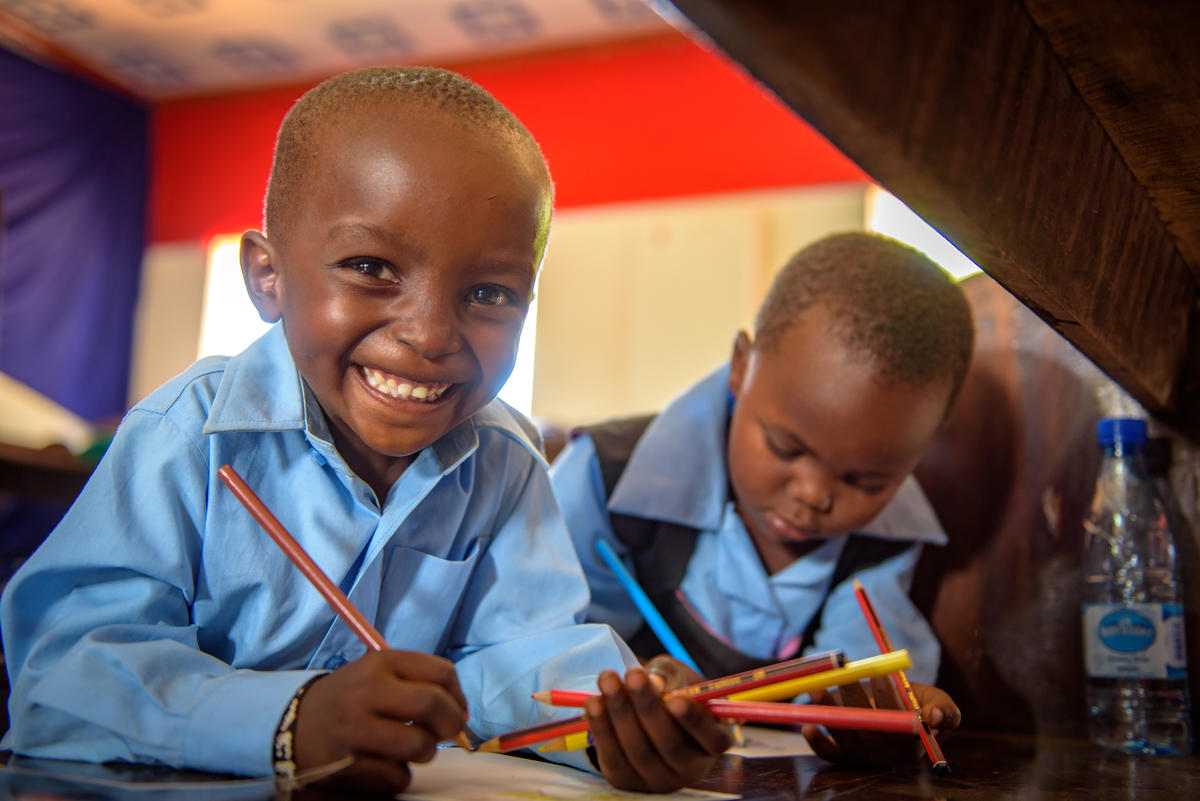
[{"x": 661, "y": 552}]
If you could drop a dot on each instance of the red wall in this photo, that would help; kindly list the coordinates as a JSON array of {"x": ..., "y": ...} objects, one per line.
[{"x": 656, "y": 118}]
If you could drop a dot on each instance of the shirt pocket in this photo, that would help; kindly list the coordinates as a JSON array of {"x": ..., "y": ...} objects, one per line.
[{"x": 420, "y": 596}]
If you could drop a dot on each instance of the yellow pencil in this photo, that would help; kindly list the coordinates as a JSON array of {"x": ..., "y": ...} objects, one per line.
[
  {"x": 867, "y": 668},
  {"x": 568, "y": 742}
]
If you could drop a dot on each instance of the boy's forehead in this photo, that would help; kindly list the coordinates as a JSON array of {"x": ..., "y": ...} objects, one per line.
[
  {"x": 409, "y": 126},
  {"x": 814, "y": 367}
]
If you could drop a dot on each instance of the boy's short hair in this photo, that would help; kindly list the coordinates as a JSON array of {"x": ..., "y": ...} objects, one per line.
[
  {"x": 888, "y": 302},
  {"x": 428, "y": 87}
]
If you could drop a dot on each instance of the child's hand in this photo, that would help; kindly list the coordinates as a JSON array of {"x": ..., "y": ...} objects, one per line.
[
  {"x": 647, "y": 744},
  {"x": 877, "y": 748},
  {"x": 386, "y": 709}
]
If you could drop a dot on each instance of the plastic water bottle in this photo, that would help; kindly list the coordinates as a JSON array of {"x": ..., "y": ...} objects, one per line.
[{"x": 1134, "y": 654}]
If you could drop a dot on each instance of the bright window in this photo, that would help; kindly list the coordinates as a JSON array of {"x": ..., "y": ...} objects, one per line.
[{"x": 888, "y": 216}]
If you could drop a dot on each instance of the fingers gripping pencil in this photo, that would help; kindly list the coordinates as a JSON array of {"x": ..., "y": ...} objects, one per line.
[
  {"x": 329, "y": 591},
  {"x": 932, "y": 749}
]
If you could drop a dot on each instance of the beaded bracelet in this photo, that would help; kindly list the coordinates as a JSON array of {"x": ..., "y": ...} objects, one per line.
[{"x": 284, "y": 751}]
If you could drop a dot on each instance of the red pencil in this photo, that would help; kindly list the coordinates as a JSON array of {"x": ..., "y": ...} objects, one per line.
[
  {"x": 726, "y": 685},
  {"x": 333, "y": 596},
  {"x": 905, "y": 689},
  {"x": 834, "y": 717},
  {"x": 329, "y": 591}
]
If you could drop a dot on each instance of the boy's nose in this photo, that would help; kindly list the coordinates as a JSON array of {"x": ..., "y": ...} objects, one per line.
[
  {"x": 811, "y": 487},
  {"x": 427, "y": 325}
]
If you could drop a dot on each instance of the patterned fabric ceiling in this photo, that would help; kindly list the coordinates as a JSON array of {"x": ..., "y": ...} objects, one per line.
[{"x": 160, "y": 49}]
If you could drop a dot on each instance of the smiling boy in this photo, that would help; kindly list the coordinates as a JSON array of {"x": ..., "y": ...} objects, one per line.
[{"x": 406, "y": 216}]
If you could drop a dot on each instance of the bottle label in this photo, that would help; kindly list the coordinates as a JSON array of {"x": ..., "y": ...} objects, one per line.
[{"x": 1134, "y": 641}]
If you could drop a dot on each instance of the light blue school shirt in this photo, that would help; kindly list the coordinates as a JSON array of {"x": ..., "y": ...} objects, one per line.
[
  {"x": 159, "y": 622},
  {"x": 677, "y": 473}
]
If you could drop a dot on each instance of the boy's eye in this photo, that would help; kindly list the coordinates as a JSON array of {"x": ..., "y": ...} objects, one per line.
[
  {"x": 783, "y": 452},
  {"x": 492, "y": 295},
  {"x": 868, "y": 486},
  {"x": 375, "y": 268}
]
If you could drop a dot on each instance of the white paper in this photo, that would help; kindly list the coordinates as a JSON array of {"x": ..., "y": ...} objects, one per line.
[
  {"x": 459, "y": 775},
  {"x": 764, "y": 742}
]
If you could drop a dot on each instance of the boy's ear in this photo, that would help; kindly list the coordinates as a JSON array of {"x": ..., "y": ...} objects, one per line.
[
  {"x": 260, "y": 275},
  {"x": 738, "y": 362}
]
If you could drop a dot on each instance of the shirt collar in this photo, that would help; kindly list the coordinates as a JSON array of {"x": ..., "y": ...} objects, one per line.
[
  {"x": 261, "y": 390},
  {"x": 677, "y": 472}
]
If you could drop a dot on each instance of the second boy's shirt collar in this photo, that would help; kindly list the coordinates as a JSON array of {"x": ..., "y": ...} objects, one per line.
[{"x": 677, "y": 470}]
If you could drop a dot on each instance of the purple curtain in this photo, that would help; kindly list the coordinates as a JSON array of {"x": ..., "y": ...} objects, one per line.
[{"x": 73, "y": 178}]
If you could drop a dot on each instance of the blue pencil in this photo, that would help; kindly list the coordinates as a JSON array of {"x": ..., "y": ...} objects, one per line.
[{"x": 651, "y": 615}]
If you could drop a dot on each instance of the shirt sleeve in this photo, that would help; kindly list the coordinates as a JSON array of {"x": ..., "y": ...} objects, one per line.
[
  {"x": 579, "y": 489},
  {"x": 98, "y": 633},
  {"x": 887, "y": 584},
  {"x": 521, "y": 627}
]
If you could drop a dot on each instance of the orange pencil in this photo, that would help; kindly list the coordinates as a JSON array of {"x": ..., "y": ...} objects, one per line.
[
  {"x": 940, "y": 765},
  {"x": 329, "y": 591},
  {"x": 534, "y": 734}
]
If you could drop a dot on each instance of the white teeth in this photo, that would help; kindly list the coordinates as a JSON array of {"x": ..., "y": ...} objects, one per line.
[{"x": 389, "y": 385}]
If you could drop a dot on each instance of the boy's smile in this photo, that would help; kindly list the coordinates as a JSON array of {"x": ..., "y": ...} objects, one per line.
[
  {"x": 404, "y": 277},
  {"x": 819, "y": 438}
]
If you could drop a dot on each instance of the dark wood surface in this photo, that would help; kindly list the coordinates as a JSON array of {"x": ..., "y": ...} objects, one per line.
[
  {"x": 984, "y": 767},
  {"x": 1054, "y": 143}
]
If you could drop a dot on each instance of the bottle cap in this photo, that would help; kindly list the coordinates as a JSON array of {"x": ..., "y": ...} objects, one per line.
[{"x": 1120, "y": 429}]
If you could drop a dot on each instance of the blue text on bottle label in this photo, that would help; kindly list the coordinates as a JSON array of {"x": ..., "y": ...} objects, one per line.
[{"x": 1134, "y": 641}]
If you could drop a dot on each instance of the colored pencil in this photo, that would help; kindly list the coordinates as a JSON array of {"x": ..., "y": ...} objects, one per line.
[
  {"x": 726, "y": 685},
  {"x": 852, "y": 671},
  {"x": 568, "y": 742},
  {"x": 534, "y": 734},
  {"x": 932, "y": 749},
  {"x": 768, "y": 674},
  {"x": 833, "y": 717},
  {"x": 329, "y": 591},
  {"x": 650, "y": 614},
  {"x": 562, "y": 735}
]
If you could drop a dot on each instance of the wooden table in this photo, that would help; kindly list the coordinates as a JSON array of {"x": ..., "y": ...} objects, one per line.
[{"x": 985, "y": 767}]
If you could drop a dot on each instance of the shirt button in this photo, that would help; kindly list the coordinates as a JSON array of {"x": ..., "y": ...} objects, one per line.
[{"x": 334, "y": 662}]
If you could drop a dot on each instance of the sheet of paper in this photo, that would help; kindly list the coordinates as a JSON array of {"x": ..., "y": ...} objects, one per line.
[
  {"x": 764, "y": 742},
  {"x": 459, "y": 775}
]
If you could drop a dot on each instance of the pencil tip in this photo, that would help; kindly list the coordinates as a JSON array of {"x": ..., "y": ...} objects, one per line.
[
  {"x": 463, "y": 741},
  {"x": 542, "y": 695},
  {"x": 489, "y": 746},
  {"x": 857, "y": 584}
]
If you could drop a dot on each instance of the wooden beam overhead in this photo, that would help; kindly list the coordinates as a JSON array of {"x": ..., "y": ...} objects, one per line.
[{"x": 965, "y": 112}]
